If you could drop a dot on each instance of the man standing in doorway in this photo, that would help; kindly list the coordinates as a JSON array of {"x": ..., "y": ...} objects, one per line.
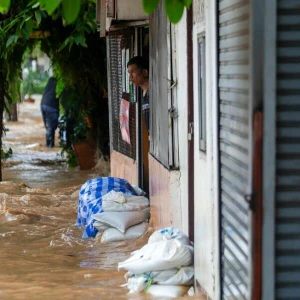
[
  {"x": 138, "y": 70},
  {"x": 50, "y": 111}
]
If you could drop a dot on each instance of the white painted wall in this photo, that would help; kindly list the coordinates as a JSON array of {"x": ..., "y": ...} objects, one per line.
[
  {"x": 205, "y": 178},
  {"x": 180, "y": 201},
  {"x": 206, "y": 171}
]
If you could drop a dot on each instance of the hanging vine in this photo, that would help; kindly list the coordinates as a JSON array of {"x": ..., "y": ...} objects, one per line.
[{"x": 76, "y": 51}]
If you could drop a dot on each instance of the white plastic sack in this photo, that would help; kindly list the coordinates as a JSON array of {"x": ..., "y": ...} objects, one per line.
[
  {"x": 184, "y": 276},
  {"x": 139, "y": 282},
  {"x": 100, "y": 227},
  {"x": 171, "y": 291},
  {"x": 158, "y": 256},
  {"x": 169, "y": 233},
  {"x": 120, "y": 220},
  {"x": 156, "y": 276},
  {"x": 118, "y": 197},
  {"x": 113, "y": 234},
  {"x": 138, "y": 190},
  {"x": 132, "y": 203}
]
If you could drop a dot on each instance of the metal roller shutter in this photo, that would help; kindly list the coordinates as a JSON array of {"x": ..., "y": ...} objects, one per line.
[
  {"x": 234, "y": 145},
  {"x": 287, "y": 223}
]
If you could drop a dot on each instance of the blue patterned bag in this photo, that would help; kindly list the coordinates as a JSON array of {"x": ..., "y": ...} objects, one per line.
[{"x": 90, "y": 199}]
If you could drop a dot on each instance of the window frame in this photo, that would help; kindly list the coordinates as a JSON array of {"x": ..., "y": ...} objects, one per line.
[{"x": 201, "y": 78}]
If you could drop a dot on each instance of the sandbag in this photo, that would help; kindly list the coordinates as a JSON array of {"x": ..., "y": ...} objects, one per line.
[
  {"x": 170, "y": 291},
  {"x": 131, "y": 203},
  {"x": 91, "y": 193},
  {"x": 101, "y": 227},
  {"x": 113, "y": 234},
  {"x": 158, "y": 256},
  {"x": 120, "y": 220},
  {"x": 169, "y": 233},
  {"x": 140, "y": 282},
  {"x": 184, "y": 276}
]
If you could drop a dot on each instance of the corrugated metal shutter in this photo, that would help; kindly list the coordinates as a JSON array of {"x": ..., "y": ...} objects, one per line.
[
  {"x": 119, "y": 40},
  {"x": 159, "y": 115},
  {"x": 234, "y": 139},
  {"x": 287, "y": 223}
]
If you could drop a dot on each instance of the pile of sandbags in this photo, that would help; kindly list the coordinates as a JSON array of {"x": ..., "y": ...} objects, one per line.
[
  {"x": 124, "y": 217},
  {"x": 163, "y": 267},
  {"x": 112, "y": 208}
]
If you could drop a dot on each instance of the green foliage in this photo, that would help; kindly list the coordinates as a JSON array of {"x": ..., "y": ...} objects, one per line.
[
  {"x": 34, "y": 83},
  {"x": 77, "y": 53},
  {"x": 69, "y": 154},
  {"x": 150, "y": 6},
  {"x": 5, "y": 154},
  {"x": 71, "y": 8},
  {"x": 174, "y": 8},
  {"x": 4, "y": 5}
]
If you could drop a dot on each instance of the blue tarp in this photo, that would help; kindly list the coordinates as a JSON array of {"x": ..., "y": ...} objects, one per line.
[{"x": 90, "y": 199}]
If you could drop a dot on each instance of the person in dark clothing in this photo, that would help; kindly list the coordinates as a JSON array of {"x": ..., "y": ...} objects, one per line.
[
  {"x": 138, "y": 69},
  {"x": 50, "y": 111}
]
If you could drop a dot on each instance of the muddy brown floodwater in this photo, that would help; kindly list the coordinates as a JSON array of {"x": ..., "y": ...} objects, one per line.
[{"x": 42, "y": 254}]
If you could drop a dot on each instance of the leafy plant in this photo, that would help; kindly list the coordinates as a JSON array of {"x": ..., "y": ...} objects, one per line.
[
  {"x": 5, "y": 154},
  {"x": 71, "y": 8},
  {"x": 34, "y": 83},
  {"x": 174, "y": 8},
  {"x": 77, "y": 53},
  {"x": 69, "y": 154}
]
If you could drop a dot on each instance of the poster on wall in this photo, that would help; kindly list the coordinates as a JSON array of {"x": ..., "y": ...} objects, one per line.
[{"x": 124, "y": 120}]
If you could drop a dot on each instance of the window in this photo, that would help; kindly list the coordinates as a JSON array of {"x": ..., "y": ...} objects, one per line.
[{"x": 201, "y": 93}]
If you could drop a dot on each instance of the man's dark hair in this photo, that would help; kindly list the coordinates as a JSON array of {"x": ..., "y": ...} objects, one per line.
[{"x": 141, "y": 62}]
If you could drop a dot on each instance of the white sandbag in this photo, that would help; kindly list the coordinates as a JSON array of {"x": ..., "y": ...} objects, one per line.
[
  {"x": 118, "y": 197},
  {"x": 169, "y": 233},
  {"x": 184, "y": 276},
  {"x": 100, "y": 227},
  {"x": 156, "y": 276},
  {"x": 158, "y": 256},
  {"x": 139, "y": 282},
  {"x": 120, "y": 220},
  {"x": 138, "y": 190},
  {"x": 113, "y": 234},
  {"x": 133, "y": 203},
  {"x": 171, "y": 291}
]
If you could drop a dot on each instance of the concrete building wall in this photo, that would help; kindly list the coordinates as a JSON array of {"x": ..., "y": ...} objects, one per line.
[
  {"x": 165, "y": 196},
  {"x": 123, "y": 167},
  {"x": 180, "y": 74},
  {"x": 205, "y": 164}
]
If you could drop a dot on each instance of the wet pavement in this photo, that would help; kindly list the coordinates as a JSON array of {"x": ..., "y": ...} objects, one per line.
[{"x": 42, "y": 253}]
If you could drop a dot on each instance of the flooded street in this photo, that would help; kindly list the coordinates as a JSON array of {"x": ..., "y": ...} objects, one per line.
[{"x": 42, "y": 253}]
